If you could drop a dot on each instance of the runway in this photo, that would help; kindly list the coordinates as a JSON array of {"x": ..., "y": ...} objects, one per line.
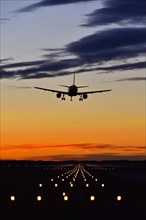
[{"x": 72, "y": 191}]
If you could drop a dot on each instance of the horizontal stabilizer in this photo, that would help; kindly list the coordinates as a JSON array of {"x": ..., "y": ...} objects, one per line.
[
  {"x": 82, "y": 86},
  {"x": 64, "y": 86}
]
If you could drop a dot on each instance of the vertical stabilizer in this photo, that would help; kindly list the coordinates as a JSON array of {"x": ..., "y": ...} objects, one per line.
[{"x": 74, "y": 79}]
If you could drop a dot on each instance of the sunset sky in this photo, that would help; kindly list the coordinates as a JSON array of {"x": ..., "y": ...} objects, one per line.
[{"x": 42, "y": 43}]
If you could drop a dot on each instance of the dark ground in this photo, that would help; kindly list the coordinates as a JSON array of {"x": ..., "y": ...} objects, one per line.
[{"x": 22, "y": 179}]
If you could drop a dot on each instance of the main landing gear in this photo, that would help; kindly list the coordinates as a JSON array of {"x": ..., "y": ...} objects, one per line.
[
  {"x": 81, "y": 98},
  {"x": 63, "y": 98}
]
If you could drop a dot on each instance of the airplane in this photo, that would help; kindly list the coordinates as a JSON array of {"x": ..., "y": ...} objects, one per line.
[{"x": 72, "y": 91}]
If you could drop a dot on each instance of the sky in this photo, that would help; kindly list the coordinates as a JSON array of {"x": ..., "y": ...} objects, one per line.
[{"x": 42, "y": 43}]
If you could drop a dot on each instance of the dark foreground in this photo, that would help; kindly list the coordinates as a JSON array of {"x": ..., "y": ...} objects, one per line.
[{"x": 108, "y": 190}]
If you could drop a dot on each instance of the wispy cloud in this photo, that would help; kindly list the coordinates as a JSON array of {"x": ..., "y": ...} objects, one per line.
[
  {"x": 85, "y": 151},
  {"x": 86, "y": 157},
  {"x": 6, "y": 59},
  {"x": 133, "y": 79},
  {"x": 47, "y": 3},
  {"x": 4, "y": 20},
  {"x": 123, "y": 12}
]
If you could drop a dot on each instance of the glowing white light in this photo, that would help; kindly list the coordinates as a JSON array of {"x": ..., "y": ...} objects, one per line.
[
  {"x": 52, "y": 180},
  {"x": 92, "y": 198},
  {"x": 62, "y": 179},
  {"x": 63, "y": 193},
  {"x": 71, "y": 185},
  {"x": 40, "y": 185},
  {"x": 95, "y": 179},
  {"x": 39, "y": 198},
  {"x": 102, "y": 184},
  {"x": 65, "y": 198},
  {"x": 119, "y": 198},
  {"x": 56, "y": 185},
  {"x": 12, "y": 198},
  {"x": 87, "y": 185}
]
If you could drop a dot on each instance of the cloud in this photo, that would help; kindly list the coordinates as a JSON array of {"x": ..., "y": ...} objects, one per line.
[
  {"x": 18, "y": 87},
  {"x": 108, "y": 45},
  {"x": 85, "y": 157},
  {"x": 118, "y": 12},
  {"x": 85, "y": 146},
  {"x": 133, "y": 79},
  {"x": 6, "y": 59},
  {"x": 123, "y": 67},
  {"x": 117, "y": 44},
  {"x": 4, "y": 20},
  {"x": 23, "y": 64},
  {"x": 47, "y": 3}
]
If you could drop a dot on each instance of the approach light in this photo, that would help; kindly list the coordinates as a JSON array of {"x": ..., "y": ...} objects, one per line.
[
  {"x": 92, "y": 198},
  {"x": 63, "y": 193},
  {"x": 40, "y": 185},
  {"x": 87, "y": 185},
  {"x": 56, "y": 185},
  {"x": 39, "y": 198},
  {"x": 119, "y": 198},
  {"x": 12, "y": 198},
  {"x": 65, "y": 198},
  {"x": 102, "y": 184}
]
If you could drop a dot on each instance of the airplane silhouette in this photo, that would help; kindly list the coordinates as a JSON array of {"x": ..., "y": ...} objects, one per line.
[{"x": 72, "y": 91}]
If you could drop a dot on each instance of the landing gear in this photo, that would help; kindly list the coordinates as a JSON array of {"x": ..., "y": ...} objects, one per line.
[
  {"x": 81, "y": 98},
  {"x": 71, "y": 98},
  {"x": 63, "y": 98}
]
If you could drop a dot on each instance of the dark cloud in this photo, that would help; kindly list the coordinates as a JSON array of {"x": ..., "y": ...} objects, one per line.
[
  {"x": 45, "y": 69},
  {"x": 107, "y": 45},
  {"x": 7, "y": 74},
  {"x": 46, "y": 3},
  {"x": 23, "y": 64},
  {"x": 133, "y": 79},
  {"x": 6, "y": 59},
  {"x": 18, "y": 87},
  {"x": 122, "y": 67},
  {"x": 118, "y": 12},
  {"x": 87, "y": 157},
  {"x": 4, "y": 20}
]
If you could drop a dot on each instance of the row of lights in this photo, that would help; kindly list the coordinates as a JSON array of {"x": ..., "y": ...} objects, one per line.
[
  {"x": 75, "y": 170},
  {"x": 65, "y": 197}
]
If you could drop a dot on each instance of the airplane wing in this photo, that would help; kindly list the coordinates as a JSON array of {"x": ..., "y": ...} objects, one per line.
[
  {"x": 91, "y": 92},
  {"x": 51, "y": 90}
]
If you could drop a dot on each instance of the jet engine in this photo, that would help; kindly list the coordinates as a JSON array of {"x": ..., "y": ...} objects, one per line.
[
  {"x": 58, "y": 95},
  {"x": 85, "y": 96}
]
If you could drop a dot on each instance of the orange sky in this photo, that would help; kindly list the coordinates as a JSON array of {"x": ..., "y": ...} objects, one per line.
[{"x": 36, "y": 125}]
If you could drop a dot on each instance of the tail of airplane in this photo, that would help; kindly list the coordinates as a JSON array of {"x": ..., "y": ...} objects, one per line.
[{"x": 74, "y": 83}]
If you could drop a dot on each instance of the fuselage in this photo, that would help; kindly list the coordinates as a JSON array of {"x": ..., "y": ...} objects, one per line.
[{"x": 72, "y": 90}]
